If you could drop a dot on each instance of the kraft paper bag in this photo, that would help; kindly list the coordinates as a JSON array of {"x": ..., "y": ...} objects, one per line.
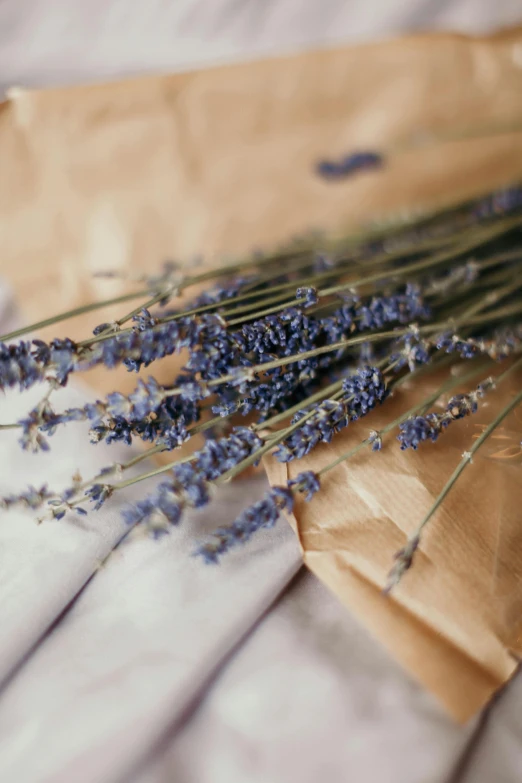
[
  {"x": 455, "y": 619},
  {"x": 217, "y": 162}
]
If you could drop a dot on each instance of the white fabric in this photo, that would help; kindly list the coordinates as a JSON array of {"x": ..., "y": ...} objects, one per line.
[
  {"x": 45, "y": 42},
  {"x": 311, "y": 697},
  {"x": 136, "y": 648}
]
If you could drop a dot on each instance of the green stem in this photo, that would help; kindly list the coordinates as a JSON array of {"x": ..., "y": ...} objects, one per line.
[
  {"x": 468, "y": 456},
  {"x": 72, "y": 314},
  {"x": 248, "y": 315},
  {"x": 166, "y": 292},
  {"x": 341, "y": 268},
  {"x": 424, "y": 264},
  {"x": 405, "y": 557},
  {"x": 446, "y": 255}
]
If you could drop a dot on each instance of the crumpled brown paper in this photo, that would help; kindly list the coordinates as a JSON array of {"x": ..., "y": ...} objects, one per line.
[
  {"x": 455, "y": 620},
  {"x": 222, "y": 160}
]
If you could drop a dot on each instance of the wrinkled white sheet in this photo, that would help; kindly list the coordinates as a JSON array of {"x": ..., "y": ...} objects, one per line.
[{"x": 152, "y": 626}]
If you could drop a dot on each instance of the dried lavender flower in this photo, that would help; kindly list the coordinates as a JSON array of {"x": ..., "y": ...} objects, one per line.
[
  {"x": 418, "y": 429},
  {"x": 389, "y": 304},
  {"x": 349, "y": 165}
]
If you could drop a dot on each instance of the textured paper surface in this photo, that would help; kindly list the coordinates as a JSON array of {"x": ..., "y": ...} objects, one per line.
[
  {"x": 219, "y": 161},
  {"x": 455, "y": 620}
]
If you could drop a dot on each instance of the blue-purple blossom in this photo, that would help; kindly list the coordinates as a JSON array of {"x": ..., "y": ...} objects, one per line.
[
  {"x": 221, "y": 293},
  {"x": 174, "y": 436},
  {"x": 30, "y": 498},
  {"x": 117, "y": 430},
  {"x": 263, "y": 514},
  {"x": 227, "y": 365},
  {"x": 411, "y": 350},
  {"x": 190, "y": 481},
  {"x": 18, "y": 366},
  {"x": 398, "y": 308},
  {"x": 226, "y": 408},
  {"x": 403, "y": 562},
  {"x": 40, "y": 418},
  {"x": 147, "y": 412},
  {"x": 501, "y": 202},
  {"x": 362, "y": 391},
  {"x": 418, "y": 429},
  {"x": 452, "y": 343},
  {"x": 308, "y": 295},
  {"x": 375, "y": 440},
  {"x": 501, "y": 345},
  {"x": 307, "y": 483},
  {"x": 98, "y": 494},
  {"x": 144, "y": 320},
  {"x": 349, "y": 165},
  {"x": 24, "y": 365}
]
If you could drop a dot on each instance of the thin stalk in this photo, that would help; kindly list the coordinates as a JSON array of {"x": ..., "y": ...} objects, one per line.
[
  {"x": 424, "y": 264},
  {"x": 120, "y": 467},
  {"x": 350, "y": 241},
  {"x": 296, "y": 357},
  {"x": 225, "y": 314},
  {"x": 166, "y": 292},
  {"x": 468, "y": 456},
  {"x": 446, "y": 255},
  {"x": 267, "y": 311},
  {"x": 491, "y": 298},
  {"x": 327, "y": 392},
  {"x": 339, "y": 270},
  {"x": 496, "y": 260},
  {"x": 405, "y": 557},
  {"x": 72, "y": 314}
]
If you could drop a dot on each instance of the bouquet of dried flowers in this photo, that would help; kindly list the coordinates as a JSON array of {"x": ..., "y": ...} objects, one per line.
[{"x": 300, "y": 343}]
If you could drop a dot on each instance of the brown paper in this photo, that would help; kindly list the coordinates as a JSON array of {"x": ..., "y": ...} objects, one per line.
[
  {"x": 221, "y": 160},
  {"x": 455, "y": 620}
]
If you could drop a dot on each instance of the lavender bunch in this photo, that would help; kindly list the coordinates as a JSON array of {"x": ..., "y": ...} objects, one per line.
[{"x": 300, "y": 343}]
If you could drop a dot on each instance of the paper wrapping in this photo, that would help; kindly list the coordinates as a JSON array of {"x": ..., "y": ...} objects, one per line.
[
  {"x": 455, "y": 619},
  {"x": 219, "y": 161}
]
